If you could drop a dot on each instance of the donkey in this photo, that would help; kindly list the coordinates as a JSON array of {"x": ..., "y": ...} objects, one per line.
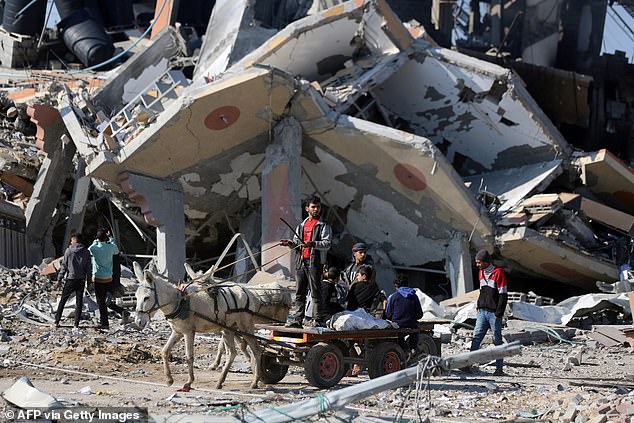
[
  {"x": 198, "y": 311},
  {"x": 274, "y": 303}
]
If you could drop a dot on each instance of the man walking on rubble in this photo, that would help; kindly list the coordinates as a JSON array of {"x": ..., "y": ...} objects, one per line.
[
  {"x": 491, "y": 304},
  {"x": 103, "y": 249},
  {"x": 311, "y": 253},
  {"x": 75, "y": 270}
]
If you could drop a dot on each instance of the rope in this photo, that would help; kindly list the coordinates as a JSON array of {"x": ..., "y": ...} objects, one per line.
[
  {"x": 220, "y": 409},
  {"x": 554, "y": 334},
  {"x": 283, "y": 413},
  {"x": 323, "y": 404},
  {"x": 231, "y": 278}
]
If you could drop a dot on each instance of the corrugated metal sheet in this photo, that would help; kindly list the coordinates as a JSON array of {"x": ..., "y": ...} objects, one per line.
[{"x": 12, "y": 243}]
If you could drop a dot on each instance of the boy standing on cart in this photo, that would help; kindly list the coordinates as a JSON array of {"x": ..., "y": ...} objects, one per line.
[{"x": 311, "y": 243}]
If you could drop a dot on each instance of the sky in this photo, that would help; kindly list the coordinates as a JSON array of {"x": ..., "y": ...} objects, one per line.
[{"x": 619, "y": 32}]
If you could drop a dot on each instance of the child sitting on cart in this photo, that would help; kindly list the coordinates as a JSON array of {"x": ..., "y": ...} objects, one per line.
[
  {"x": 334, "y": 292},
  {"x": 364, "y": 293},
  {"x": 403, "y": 308}
]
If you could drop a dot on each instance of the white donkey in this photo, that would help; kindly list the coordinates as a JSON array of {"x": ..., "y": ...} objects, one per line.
[
  {"x": 274, "y": 302},
  {"x": 198, "y": 311}
]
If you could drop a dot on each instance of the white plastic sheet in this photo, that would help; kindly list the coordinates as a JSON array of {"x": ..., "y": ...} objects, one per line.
[
  {"x": 563, "y": 312},
  {"x": 358, "y": 319}
]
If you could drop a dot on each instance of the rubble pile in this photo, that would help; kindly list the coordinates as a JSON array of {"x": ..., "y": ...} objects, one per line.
[
  {"x": 537, "y": 385},
  {"x": 17, "y": 285}
]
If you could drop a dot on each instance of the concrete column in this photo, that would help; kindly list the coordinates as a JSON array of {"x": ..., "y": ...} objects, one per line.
[
  {"x": 77, "y": 211},
  {"x": 281, "y": 193},
  {"x": 458, "y": 265},
  {"x": 161, "y": 203},
  {"x": 50, "y": 180}
]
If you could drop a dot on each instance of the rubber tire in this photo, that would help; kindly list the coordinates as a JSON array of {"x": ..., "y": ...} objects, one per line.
[
  {"x": 426, "y": 345},
  {"x": 324, "y": 366},
  {"x": 386, "y": 358},
  {"x": 271, "y": 372}
]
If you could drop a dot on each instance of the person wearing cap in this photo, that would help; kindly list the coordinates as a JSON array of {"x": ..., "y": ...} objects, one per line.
[
  {"x": 491, "y": 303},
  {"x": 312, "y": 251},
  {"x": 360, "y": 257},
  {"x": 103, "y": 249}
]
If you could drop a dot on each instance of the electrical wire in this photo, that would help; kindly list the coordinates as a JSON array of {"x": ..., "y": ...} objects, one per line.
[{"x": 554, "y": 334}]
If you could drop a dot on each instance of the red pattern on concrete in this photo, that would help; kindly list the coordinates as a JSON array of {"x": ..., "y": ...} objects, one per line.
[
  {"x": 409, "y": 176},
  {"x": 222, "y": 118},
  {"x": 137, "y": 198}
]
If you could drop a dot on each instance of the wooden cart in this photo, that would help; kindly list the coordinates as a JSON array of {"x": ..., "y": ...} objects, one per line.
[{"x": 326, "y": 355}]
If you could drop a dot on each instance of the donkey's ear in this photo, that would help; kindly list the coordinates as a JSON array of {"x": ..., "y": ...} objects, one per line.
[
  {"x": 148, "y": 277},
  {"x": 138, "y": 271},
  {"x": 190, "y": 271}
]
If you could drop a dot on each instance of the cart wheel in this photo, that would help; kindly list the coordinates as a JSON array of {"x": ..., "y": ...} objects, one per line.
[
  {"x": 271, "y": 371},
  {"x": 426, "y": 345},
  {"x": 324, "y": 365},
  {"x": 386, "y": 358}
]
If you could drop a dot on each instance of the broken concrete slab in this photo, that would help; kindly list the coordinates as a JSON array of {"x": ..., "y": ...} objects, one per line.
[
  {"x": 250, "y": 100},
  {"x": 608, "y": 178},
  {"x": 231, "y": 34},
  {"x": 23, "y": 394},
  {"x": 479, "y": 114},
  {"x": 511, "y": 186},
  {"x": 540, "y": 255}
]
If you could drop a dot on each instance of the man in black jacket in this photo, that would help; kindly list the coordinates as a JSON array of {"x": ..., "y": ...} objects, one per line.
[
  {"x": 311, "y": 253},
  {"x": 75, "y": 269}
]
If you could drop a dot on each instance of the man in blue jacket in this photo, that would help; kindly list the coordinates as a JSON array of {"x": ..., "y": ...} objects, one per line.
[
  {"x": 103, "y": 249},
  {"x": 403, "y": 308},
  {"x": 75, "y": 270}
]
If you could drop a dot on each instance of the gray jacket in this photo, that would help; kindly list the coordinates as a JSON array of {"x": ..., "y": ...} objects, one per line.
[
  {"x": 321, "y": 236},
  {"x": 76, "y": 264}
]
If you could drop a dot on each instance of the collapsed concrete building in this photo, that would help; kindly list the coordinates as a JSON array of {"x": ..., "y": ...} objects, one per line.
[{"x": 425, "y": 153}]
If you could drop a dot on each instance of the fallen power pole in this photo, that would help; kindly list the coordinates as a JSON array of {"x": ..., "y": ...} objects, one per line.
[{"x": 340, "y": 398}]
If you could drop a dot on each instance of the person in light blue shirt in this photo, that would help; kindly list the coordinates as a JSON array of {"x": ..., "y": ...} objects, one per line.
[{"x": 103, "y": 249}]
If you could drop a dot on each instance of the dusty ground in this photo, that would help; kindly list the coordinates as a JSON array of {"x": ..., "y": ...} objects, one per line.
[{"x": 122, "y": 368}]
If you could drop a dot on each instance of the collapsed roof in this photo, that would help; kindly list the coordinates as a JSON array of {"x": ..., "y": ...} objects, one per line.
[{"x": 411, "y": 146}]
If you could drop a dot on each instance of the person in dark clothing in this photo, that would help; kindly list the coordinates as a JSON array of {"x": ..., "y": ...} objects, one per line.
[
  {"x": 311, "y": 253},
  {"x": 360, "y": 257},
  {"x": 403, "y": 308},
  {"x": 364, "y": 293},
  {"x": 333, "y": 293},
  {"x": 491, "y": 303},
  {"x": 75, "y": 270}
]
